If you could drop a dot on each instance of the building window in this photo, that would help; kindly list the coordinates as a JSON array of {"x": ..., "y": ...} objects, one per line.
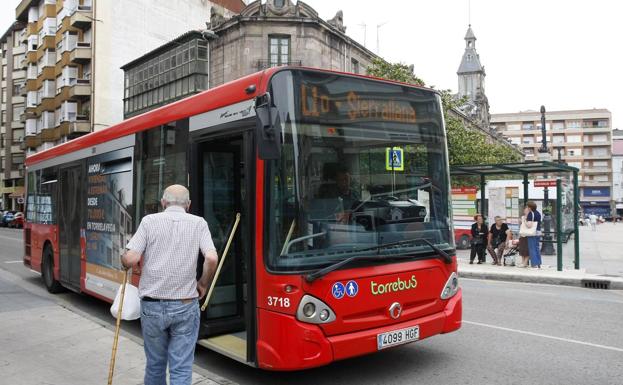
[
  {"x": 527, "y": 126},
  {"x": 17, "y": 111},
  {"x": 354, "y": 66},
  {"x": 559, "y": 125},
  {"x": 279, "y": 50},
  {"x": 575, "y": 152},
  {"x": 574, "y": 138},
  {"x": 574, "y": 124}
]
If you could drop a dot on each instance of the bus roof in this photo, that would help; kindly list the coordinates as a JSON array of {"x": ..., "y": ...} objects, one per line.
[{"x": 213, "y": 98}]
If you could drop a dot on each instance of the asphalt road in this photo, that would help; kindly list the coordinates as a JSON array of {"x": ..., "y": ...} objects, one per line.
[{"x": 513, "y": 333}]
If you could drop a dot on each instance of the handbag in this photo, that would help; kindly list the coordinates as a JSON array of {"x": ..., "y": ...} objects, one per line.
[{"x": 525, "y": 231}]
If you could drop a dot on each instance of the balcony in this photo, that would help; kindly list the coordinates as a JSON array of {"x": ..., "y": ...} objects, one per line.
[
  {"x": 596, "y": 170},
  {"x": 593, "y": 183},
  {"x": 81, "y": 89},
  {"x": 82, "y": 17},
  {"x": 265, "y": 64},
  {"x": 79, "y": 126},
  {"x": 32, "y": 141},
  {"x": 81, "y": 53},
  {"x": 599, "y": 143}
]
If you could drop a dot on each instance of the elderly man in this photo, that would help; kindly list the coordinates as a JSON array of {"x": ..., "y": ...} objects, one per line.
[{"x": 170, "y": 242}]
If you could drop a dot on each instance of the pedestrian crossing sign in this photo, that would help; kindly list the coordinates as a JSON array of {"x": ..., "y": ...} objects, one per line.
[{"x": 394, "y": 159}]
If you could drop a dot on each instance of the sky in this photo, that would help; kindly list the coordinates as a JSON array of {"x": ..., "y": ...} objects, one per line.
[{"x": 564, "y": 54}]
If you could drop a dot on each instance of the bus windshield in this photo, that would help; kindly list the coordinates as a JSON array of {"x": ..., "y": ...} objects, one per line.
[{"x": 363, "y": 171}]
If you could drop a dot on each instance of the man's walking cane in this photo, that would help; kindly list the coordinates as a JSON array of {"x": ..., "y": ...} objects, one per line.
[
  {"x": 220, "y": 264},
  {"x": 111, "y": 369}
]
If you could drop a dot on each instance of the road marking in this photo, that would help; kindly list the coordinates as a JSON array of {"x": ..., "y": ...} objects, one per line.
[
  {"x": 546, "y": 336},
  {"x": 20, "y": 261},
  {"x": 11, "y": 238}
]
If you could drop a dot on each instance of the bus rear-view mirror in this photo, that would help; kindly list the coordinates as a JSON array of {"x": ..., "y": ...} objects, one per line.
[{"x": 267, "y": 128}]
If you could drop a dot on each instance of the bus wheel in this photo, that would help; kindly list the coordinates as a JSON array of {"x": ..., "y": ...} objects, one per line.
[
  {"x": 463, "y": 242},
  {"x": 47, "y": 272}
]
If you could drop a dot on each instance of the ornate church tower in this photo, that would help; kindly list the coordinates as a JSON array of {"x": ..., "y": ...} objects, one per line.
[{"x": 472, "y": 82}]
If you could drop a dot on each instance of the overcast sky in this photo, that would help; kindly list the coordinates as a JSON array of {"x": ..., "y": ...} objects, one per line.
[{"x": 564, "y": 54}]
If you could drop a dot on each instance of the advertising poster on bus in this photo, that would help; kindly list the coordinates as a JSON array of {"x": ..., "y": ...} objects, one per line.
[{"x": 108, "y": 224}]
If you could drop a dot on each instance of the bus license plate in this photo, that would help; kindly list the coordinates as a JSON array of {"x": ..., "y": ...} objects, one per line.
[{"x": 397, "y": 337}]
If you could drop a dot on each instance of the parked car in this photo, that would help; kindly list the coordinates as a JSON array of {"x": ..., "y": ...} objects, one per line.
[
  {"x": 7, "y": 218},
  {"x": 18, "y": 220}
]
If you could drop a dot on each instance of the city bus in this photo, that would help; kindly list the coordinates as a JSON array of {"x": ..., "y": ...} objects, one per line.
[{"x": 345, "y": 245}]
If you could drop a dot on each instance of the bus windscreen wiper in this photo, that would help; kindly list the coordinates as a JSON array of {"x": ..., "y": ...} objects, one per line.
[{"x": 447, "y": 258}]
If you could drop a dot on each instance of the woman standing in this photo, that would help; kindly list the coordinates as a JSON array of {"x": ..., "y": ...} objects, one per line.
[
  {"x": 479, "y": 236},
  {"x": 532, "y": 218}
]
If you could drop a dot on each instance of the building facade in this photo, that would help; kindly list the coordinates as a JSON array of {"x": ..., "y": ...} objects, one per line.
[
  {"x": 581, "y": 138},
  {"x": 617, "y": 172},
  {"x": 262, "y": 35},
  {"x": 12, "y": 101},
  {"x": 73, "y": 53}
]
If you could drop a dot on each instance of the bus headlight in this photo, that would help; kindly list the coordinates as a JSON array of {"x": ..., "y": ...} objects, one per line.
[
  {"x": 314, "y": 311},
  {"x": 451, "y": 287}
]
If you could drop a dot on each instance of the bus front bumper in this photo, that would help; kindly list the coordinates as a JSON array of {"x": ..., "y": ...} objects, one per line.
[{"x": 287, "y": 344}]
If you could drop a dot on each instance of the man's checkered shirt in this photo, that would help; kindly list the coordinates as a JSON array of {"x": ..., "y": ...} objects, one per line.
[{"x": 170, "y": 242}]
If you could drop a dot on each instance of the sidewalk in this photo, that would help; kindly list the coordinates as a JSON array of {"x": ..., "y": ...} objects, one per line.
[
  {"x": 601, "y": 261},
  {"x": 44, "y": 343}
]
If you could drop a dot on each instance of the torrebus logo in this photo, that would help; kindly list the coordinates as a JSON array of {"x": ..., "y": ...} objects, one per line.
[{"x": 394, "y": 286}]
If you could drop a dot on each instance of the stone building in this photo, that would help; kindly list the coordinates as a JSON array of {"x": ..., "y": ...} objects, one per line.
[{"x": 262, "y": 35}]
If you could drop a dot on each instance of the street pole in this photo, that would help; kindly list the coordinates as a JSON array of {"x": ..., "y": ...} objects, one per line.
[{"x": 547, "y": 247}]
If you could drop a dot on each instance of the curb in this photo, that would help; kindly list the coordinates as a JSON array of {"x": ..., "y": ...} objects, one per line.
[{"x": 614, "y": 284}]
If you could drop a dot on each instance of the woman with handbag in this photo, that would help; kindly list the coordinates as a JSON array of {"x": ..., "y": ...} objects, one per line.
[
  {"x": 530, "y": 233},
  {"x": 478, "y": 242}
]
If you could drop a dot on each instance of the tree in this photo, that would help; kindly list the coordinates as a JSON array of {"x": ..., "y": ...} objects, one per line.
[
  {"x": 394, "y": 71},
  {"x": 465, "y": 146}
]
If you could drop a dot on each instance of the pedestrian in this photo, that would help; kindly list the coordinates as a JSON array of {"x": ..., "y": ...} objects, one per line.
[
  {"x": 478, "y": 242},
  {"x": 496, "y": 240},
  {"x": 532, "y": 217},
  {"x": 169, "y": 243},
  {"x": 592, "y": 218}
]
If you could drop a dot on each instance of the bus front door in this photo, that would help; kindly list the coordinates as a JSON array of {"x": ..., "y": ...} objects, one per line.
[{"x": 222, "y": 184}]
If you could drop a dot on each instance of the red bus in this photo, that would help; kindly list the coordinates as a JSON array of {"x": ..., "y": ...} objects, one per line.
[{"x": 346, "y": 241}]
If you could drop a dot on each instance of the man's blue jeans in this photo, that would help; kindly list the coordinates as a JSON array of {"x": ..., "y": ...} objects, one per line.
[{"x": 170, "y": 331}]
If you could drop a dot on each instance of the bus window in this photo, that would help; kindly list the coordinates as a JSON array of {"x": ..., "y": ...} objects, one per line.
[{"x": 161, "y": 161}]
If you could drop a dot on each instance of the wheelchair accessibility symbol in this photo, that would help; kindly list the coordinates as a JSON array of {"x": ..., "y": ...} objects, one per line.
[{"x": 338, "y": 290}]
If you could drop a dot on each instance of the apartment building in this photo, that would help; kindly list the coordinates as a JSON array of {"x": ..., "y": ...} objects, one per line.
[
  {"x": 617, "y": 172},
  {"x": 13, "y": 80},
  {"x": 73, "y": 53},
  {"x": 581, "y": 138}
]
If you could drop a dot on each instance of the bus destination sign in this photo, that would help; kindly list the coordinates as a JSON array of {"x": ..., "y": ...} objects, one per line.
[{"x": 352, "y": 106}]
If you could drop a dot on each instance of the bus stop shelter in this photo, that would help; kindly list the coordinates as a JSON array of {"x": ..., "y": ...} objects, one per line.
[{"x": 558, "y": 171}]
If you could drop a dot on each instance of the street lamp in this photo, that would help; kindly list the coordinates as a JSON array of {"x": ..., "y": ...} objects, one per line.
[{"x": 547, "y": 248}]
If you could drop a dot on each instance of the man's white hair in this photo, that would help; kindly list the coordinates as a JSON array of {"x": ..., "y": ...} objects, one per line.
[{"x": 176, "y": 195}]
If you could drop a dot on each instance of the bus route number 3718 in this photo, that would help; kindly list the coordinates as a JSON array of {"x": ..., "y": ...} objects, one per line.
[{"x": 397, "y": 337}]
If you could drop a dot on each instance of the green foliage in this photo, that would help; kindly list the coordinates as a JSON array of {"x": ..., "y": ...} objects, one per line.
[
  {"x": 393, "y": 71},
  {"x": 465, "y": 146}
]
